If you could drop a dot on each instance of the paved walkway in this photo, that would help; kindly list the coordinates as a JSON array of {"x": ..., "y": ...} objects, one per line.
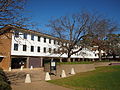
[
  {"x": 17, "y": 78},
  {"x": 39, "y": 85}
]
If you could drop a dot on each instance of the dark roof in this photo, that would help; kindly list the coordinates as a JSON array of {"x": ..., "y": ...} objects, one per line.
[{"x": 13, "y": 27}]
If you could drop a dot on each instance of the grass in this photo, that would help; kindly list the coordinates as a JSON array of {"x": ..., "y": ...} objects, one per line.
[
  {"x": 83, "y": 62},
  {"x": 103, "y": 78}
]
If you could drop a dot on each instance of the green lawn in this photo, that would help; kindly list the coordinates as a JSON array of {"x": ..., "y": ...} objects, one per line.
[{"x": 103, "y": 78}]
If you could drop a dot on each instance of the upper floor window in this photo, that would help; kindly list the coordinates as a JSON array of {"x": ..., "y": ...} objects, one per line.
[
  {"x": 16, "y": 33},
  {"x": 24, "y": 47},
  {"x": 54, "y": 41},
  {"x": 49, "y": 40},
  {"x": 16, "y": 47},
  {"x": 39, "y": 38},
  {"x": 32, "y": 37},
  {"x": 44, "y": 40},
  {"x": 58, "y": 43},
  {"x": 25, "y": 36},
  {"x": 50, "y": 50},
  {"x": 44, "y": 49},
  {"x": 32, "y": 48},
  {"x": 54, "y": 50},
  {"x": 38, "y": 49}
]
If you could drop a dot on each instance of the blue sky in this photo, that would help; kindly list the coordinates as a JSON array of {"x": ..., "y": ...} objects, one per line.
[{"x": 43, "y": 10}]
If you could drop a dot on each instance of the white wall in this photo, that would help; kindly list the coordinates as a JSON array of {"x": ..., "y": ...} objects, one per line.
[{"x": 21, "y": 41}]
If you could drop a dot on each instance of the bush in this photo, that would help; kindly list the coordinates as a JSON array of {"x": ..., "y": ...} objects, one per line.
[{"x": 4, "y": 81}]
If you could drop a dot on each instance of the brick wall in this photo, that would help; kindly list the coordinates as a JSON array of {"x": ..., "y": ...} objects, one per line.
[{"x": 5, "y": 50}]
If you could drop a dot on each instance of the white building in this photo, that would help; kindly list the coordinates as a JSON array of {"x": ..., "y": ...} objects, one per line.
[{"x": 31, "y": 48}]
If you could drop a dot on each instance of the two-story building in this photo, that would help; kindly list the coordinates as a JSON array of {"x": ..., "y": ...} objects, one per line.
[{"x": 20, "y": 46}]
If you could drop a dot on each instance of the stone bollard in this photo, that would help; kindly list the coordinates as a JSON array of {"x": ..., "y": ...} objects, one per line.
[
  {"x": 63, "y": 74},
  {"x": 28, "y": 79},
  {"x": 31, "y": 67},
  {"x": 47, "y": 76},
  {"x": 9, "y": 69},
  {"x": 21, "y": 68},
  {"x": 72, "y": 71}
]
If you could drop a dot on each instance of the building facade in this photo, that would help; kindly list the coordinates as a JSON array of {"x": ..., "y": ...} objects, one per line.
[{"x": 19, "y": 46}]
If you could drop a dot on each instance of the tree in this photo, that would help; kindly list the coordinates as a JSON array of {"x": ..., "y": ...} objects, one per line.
[
  {"x": 99, "y": 32},
  {"x": 113, "y": 45},
  {"x": 11, "y": 12},
  {"x": 76, "y": 27}
]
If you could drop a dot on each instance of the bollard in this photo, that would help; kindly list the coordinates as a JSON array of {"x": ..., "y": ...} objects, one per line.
[
  {"x": 47, "y": 76},
  {"x": 10, "y": 69},
  {"x": 72, "y": 71},
  {"x": 63, "y": 74},
  {"x": 31, "y": 67},
  {"x": 28, "y": 79},
  {"x": 21, "y": 68}
]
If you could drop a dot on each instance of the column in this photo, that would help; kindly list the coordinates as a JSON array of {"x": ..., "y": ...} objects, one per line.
[
  {"x": 73, "y": 59},
  {"x": 60, "y": 59},
  {"x": 41, "y": 59},
  {"x": 27, "y": 62}
]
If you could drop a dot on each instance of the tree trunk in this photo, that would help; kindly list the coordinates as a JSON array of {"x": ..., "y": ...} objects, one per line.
[
  {"x": 114, "y": 56},
  {"x": 100, "y": 55},
  {"x": 69, "y": 59},
  {"x": 60, "y": 59}
]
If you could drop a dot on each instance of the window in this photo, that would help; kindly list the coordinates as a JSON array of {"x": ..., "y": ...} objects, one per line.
[
  {"x": 32, "y": 37},
  {"x": 58, "y": 51},
  {"x": 58, "y": 43},
  {"x": 25, "y": 36},
  {"x": 44, "y": 49},
  {"x": 16, "y": 33},
  {"x": 39, "y": 38},
  {"x": 49, "y": 40},
  {"x": 24, "y": 47},
  {"x": 44, "y": 40},
  {"x": 49, "y": 50},
  {"x": 16, "y": 47},
  {"x": 54, "y": 42},
  {"x": 54, "y": 50},
  {"x": 32, "y": 48},
  {"x": 38, "y": 49}
]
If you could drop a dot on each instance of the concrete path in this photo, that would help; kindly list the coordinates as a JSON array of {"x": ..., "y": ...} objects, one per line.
[
  {"x": 39, "y": 85},
  {"x": 17, "y": 78}
]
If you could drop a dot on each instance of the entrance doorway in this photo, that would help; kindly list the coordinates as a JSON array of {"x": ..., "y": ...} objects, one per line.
[{"x": 18, "y": 62}]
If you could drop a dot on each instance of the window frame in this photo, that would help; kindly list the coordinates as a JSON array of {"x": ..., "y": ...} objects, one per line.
[
  {"x": 24, "y": 47},
  {"x": 50, "y": 50},
  {"x": 32, "y": 37},
  {"x": 49, "y": 41},
  {"x": 38, "y": 49},
  {"x": 44, "y": 49},
  {"x": 44, "y": 39},
  {"x": 32, "y": 49},
  {"x": 15, "y": 48},
  {"x": 16, "y": 33},
  {"x": 25, "y": 35},
  {"x": 39, "y": 38}
]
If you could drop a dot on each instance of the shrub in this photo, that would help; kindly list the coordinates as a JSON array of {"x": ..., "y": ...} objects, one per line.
[{"x": 4, "y": 81}]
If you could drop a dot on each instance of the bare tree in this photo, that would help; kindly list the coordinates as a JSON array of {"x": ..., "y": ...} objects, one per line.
[
  {"x": 99, "y": 31},
  {"x": 11, "y": 12},
  {"x": 75, "y": 28},
  {"x": 113, "y": 45}
]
